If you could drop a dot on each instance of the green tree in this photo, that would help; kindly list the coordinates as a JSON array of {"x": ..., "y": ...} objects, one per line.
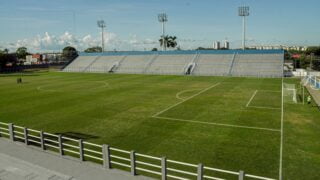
[
  {"x": 168, "y": 41},
  {"x": 69, "y": 53},
  {"x": 154, "y": 49},
  {"x": 93, "y": 49},
  {"x": 22, "y": 52},
  {"x": 6, "y": 59},
  {"x": 313, "y": 49}
]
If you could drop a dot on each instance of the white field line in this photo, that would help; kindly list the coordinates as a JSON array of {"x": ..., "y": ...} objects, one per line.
[
  {"x": 281, "y": 132},
  {"x": 104, "y": 85},
  {"x": 39, "y": 88},
  {"x": 181, "y": 92},
  {"x": 217, "y": 124},
  {"x": 254, "y": 94},
  {"x": 270, "y": 91},
  {"x": 170, "y": 107},
  {"x": 262, "y": 107}
]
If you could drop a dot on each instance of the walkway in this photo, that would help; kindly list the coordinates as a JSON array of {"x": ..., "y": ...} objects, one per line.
[
  {"x": 19, "y": 162},
  {"x": 315, "y": 94}
]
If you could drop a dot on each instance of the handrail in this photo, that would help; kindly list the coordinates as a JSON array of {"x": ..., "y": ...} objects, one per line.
[
  {"x": 70, "y": 139},
  {"x": 148, "y": 171},
  {"x": 74, "y": 152},
  {"x": 108, "y": 155},
  {"x": 92, "y": 144},
  {"x": 69, "y": 145},
  {"x": 19, "y": 127},
  {"x": 4, "y": 133},
  {"x": 182, "y": 163},
  {"x": 258, "y": 177},
  {"x": 182, "y": 172},
  {"x": 17, "y": 132},
  {"x": 49, "y": 134},
  {"x": 93, "y": 157},
  {"x": 213, "y": 178},
  {"x": 2, "y": 123},
  {"x": 5, "y": 129},
  {"x": 49, "y": 145},
  {"x": 176, "y": 177},
  {"x": 148, "y": 164},
  {"x": 50, "y": 140},
  {"x": 32, "y": 130},
  {"x": 121, "y": 158},
  {"x": 120, "y": 164},
  {"x": 37, "y": 137},
  {"x": 221, "y": 170},
  {"x": 37, "y": 142},
  {"x": 19, "y": 137},
  {"x": 148, "y": 156},
  {"x": 119, "y": 150},
  {"x": 92, "y": 151}
]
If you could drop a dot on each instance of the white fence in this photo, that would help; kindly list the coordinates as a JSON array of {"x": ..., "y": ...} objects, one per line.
[
  {"x": 110, "y": 157},
  {"x": 313, "y": 81}
]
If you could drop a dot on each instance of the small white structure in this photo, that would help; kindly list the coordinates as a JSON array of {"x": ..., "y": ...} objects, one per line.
[
  {"x": 226, "y": 44},
  {"x": 30, "y": 60},
  {"x": 216, "y": 45}
]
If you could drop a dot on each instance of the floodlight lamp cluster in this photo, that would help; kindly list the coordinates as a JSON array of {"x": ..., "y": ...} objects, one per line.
[
  {"x": 163, "y": 17},
  {"x": 101, "y": 24},
  {"x": 244, "y": 11}
]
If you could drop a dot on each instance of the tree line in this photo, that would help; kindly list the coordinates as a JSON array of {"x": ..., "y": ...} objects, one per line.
[
  {"x": 309, "y": 59},
  {"x": 14, "y": 59}
]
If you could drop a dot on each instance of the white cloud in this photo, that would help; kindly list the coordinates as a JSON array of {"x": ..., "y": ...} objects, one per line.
[{"x": 49, "y": 42}]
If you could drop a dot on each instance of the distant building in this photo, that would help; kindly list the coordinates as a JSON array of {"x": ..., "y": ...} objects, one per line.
[
  {"x": 30, "y": 59},
  {"x": 226, "y": 44},
  {"x": 265, "y": 47},
  {"x": 216, "y": 45}
]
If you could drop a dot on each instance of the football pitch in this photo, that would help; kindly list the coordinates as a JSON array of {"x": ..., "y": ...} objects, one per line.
[{"x": 223, "y": 122}]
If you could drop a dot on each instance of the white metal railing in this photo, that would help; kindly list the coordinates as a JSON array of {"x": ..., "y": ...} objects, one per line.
[{"x": 112, "y": 157}]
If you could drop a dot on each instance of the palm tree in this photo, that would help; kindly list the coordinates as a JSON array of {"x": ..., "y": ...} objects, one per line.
[{"x": 168, "y": 41}]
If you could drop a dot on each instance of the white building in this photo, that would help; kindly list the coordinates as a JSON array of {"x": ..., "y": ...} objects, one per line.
[
  {"x": 266, "y": 47},
  {"x": 226, "y": 44},
  {"x": 30, "y": 60},
  {"x": 216, "y": 45}
]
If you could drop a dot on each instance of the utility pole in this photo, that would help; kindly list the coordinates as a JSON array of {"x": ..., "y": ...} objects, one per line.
[
  {"x": 101, "y": 24},
  {"x": 163, "y": 18},
  {"x": 311, "y": 59},
  {"x": 243, "y": 12}
]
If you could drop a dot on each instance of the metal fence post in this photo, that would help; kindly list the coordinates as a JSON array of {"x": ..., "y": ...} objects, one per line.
[
  {"x": 133, "y": 162},
  {"x": 25, "y": 132},
  {"x": 11, "y": 131},
  {"x": 200, "y": 172},
  {"x": 60, "y": 144},
  {"x": 241, "y": 175},
  {"x": 163, "y": 168},
  {"x": 81, "y": 153},
  {"x": 42, "y": 140},
  {"x": 106, "y": 156}
]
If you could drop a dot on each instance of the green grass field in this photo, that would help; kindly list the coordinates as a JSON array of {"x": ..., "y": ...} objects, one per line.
[{"x": 223, "y": 122}]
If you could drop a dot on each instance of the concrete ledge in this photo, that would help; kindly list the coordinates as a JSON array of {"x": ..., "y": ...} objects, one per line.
[{"x": 31, "y": 160}]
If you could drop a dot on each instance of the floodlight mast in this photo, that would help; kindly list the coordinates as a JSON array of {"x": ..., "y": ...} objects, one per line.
[
  {"x": 244, "y": 12},
  {"x": 101, "y": 24},
  {"x": 163, "y": 18}
]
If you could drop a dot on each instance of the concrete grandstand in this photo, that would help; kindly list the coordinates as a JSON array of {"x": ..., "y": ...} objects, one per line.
[{"x": 251, "y": 63}]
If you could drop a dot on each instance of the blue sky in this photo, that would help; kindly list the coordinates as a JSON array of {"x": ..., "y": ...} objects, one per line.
[{"x": 132, "y": 24}]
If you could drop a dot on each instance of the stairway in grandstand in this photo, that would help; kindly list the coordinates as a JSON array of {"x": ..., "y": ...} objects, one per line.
[{"x": 263, "y": 63}]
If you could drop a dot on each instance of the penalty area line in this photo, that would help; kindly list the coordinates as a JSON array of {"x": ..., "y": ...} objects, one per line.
[
  {"x": 217, "y": 124},
  {"x": 254, "y": 94},
  {"x": 261, "y": 107},
  {"x": 170, "y": 107}
]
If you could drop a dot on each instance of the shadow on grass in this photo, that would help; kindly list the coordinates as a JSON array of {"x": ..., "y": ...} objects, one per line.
[
  {"x": 77, "y": 135},
  {"x": 19, "y": 74}
]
